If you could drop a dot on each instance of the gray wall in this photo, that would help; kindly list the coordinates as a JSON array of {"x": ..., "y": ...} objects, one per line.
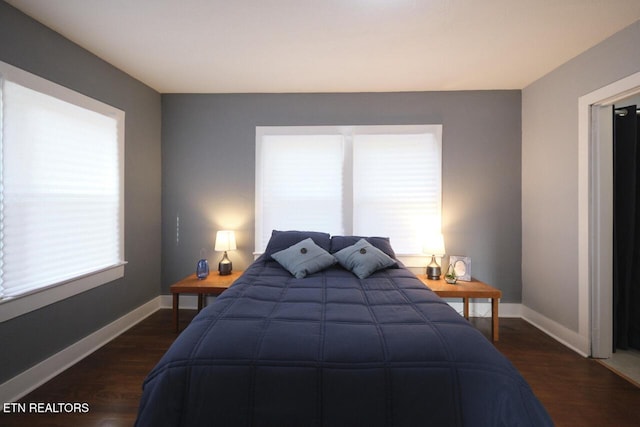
[
  {"x": 208, "y": 146},
  {"x": 550, "y": 172},
  {"x": 28, "y": 339}
]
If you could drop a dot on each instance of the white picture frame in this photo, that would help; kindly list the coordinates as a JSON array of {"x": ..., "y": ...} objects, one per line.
[{"x": 462, "y": 266}]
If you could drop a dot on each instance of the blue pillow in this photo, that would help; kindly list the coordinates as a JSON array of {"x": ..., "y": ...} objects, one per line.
[
  {"x": 281, "y": 240},
  {"x": 341, "y": 242},
  {"x": 304, "y": 258},
  {"x": 363, "y": 259}
]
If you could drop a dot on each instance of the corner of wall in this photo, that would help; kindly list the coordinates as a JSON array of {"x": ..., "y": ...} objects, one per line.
[{"x": 571, "y": 339}]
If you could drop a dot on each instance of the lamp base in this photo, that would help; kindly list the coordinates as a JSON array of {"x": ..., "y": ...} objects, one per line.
[
  {"x": 434, "y": 273},
  {"x": 433, "y": 269},
  {"x": 224, "y": 266}
]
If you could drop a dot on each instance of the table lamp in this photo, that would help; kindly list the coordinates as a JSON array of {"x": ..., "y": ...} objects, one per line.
[
  {"x": 225, "y": 241},
  {"x": 434, "y": 246}
]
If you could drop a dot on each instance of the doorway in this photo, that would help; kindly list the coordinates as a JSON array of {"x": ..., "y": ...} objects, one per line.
[
  {"x": 626, "y": 227},
  {"x": 595, "y": 182},
  {"x": 595, "y": 214}
]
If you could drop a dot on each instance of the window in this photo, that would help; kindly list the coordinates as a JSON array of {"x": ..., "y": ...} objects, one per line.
[
  {"x": 362, "y": 180},
  {"x": 61, "y": 192}
]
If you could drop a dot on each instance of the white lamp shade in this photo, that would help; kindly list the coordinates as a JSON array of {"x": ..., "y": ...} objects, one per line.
[
  {"x": 434, "y": 245},
  {"x": 225, "y": 240}
]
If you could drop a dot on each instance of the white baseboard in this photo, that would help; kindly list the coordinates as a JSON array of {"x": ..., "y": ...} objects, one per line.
[
  {"x": 166, "y": 301},
  {"x": 560, "y": 333},
  {"x": 186, "y": 301},
  {"x": 27, "y": 381},
  {"x": 483, "y": 309}
]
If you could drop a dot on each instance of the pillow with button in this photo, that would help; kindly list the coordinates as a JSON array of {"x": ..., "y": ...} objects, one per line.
[
  {"x": 363, "y": 259},
  {"x": 341, "y": 242},
  {"x": 304, "y": 258},
  {"x": 281, "y": 240}
]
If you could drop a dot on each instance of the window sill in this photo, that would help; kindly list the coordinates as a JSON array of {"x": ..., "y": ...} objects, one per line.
[{"x": 11, "y": 307}]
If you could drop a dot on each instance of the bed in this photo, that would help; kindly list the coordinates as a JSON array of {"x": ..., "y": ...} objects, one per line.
[{"x": 333, "y": 349}]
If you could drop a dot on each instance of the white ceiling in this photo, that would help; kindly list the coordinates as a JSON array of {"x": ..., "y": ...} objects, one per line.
[{"x": 235, "y": 46}]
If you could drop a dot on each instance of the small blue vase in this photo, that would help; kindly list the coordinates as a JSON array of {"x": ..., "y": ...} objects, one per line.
[{"x": 202, "y": 269}]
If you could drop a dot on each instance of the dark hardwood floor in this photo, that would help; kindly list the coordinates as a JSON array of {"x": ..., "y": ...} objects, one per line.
[{"x": 576, "y": 391}]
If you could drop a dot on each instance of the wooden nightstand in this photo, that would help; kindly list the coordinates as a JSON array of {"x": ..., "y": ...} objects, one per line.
[
  {"x": 214, "y": 284},
  {"x": 466, "y": 290}
]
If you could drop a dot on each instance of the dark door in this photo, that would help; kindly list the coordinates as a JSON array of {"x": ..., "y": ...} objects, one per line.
[{"x": 626, "y": 230}]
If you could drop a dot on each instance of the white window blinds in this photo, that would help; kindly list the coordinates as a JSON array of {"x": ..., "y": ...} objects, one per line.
[
  {"x": 363, "y": 180},
  {"x": 299, "y": 184},
  {"x": 60, "y": 201},
  {"x": 396, "y": 187}
]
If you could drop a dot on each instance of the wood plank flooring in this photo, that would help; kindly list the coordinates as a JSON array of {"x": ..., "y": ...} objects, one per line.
[{"x": 576, "y": 391}]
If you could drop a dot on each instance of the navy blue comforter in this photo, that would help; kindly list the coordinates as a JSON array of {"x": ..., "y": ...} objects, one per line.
[{"x": 334, "y": 350}]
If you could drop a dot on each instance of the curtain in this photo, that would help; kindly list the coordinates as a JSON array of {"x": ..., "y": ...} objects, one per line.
[{"x": 626, "y": 230}]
